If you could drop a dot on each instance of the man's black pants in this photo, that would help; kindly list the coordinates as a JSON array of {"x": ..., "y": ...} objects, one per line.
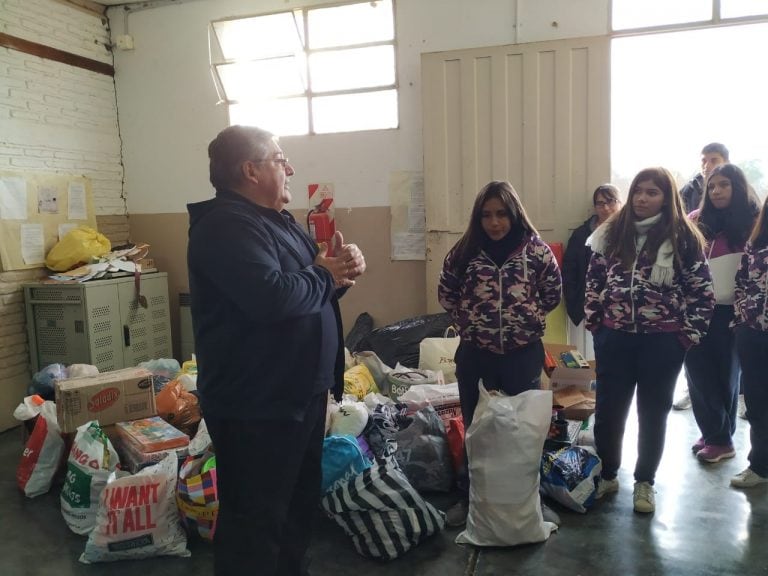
[{"x": 268, "y": 478}]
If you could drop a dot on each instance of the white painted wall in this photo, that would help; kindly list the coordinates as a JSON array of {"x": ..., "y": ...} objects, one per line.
[
  {"x": 167, "y": 102},
  {"x": 55, "y": 117}
]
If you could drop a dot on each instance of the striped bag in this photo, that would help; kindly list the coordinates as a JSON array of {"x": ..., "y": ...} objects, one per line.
[{"x": 382, "y": 512}]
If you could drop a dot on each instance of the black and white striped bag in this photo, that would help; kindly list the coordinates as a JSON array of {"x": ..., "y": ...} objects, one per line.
[{"x": 382, "y": 512}]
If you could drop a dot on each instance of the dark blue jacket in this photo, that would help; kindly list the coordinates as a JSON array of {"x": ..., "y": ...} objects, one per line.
[{"x": 256, "y": 310}]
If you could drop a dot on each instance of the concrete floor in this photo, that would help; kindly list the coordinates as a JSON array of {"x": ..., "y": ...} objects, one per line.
[{"x": 701, "y": 527}]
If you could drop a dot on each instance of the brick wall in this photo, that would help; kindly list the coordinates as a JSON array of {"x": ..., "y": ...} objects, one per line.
[{"x": 54, "y": 118}]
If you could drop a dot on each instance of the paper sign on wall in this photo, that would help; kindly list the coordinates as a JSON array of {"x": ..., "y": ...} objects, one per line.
[{"x": 36, "y": 210}]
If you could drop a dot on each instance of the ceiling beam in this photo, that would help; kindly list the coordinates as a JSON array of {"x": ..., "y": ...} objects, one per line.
[
  {"x": 55, "y": 54},
  {"x": 85, "y": 6}
]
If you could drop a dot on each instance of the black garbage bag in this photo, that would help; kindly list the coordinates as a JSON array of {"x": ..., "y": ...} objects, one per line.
[
  {"x": 363, "y": 326},
  {"x": 399, "y": 342}
]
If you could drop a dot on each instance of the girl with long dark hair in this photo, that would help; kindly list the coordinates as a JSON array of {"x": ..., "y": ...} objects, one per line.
[
  {"x": 649, "y": 298},
  {"x": 726, "y": 218}
]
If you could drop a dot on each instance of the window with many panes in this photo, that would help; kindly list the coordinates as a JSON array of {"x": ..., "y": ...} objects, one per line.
[
  {"x": 685, "y": 73},
  {"x": 309, "y": 71}
]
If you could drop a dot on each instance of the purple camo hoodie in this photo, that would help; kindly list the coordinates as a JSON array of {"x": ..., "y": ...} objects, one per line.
[
  {"x": 751, "y": 296},
  {"x": 502, "y": 308},
  {"x": 627, "y": 300}
]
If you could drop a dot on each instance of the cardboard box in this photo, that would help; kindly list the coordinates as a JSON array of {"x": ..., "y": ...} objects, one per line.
[
  {"x": 581, "y": 411},
  {"x": 563, "y": 377},
  {"x": 109, "y": 397},
  {"x": 133, "y": 459},
  {"x": 151, "y": 434}
]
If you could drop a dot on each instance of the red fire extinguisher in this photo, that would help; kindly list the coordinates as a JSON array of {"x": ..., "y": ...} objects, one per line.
[{"x": 320, "y": 225}]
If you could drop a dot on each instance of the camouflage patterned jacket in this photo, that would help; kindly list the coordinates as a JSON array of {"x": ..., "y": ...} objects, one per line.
[
  {"x": 751, "y": 297},
  {"x": 627, "y": 300},
  {"x": 499, "y": 309}
]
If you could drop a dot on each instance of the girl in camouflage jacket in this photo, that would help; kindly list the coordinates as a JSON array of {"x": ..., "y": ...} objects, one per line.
[
  {"x": 498, "y": 283},
  {"x": 649, "y": 298},
  {"x": 751, "y": 319}
]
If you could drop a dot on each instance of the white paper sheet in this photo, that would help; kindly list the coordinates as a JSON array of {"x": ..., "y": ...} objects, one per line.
[
  {"x": 13, "y": 198},
  {"x": 64, "y": 228},
  {"x": 32, "y": 243},
  {"x": 76, "y": 206}
]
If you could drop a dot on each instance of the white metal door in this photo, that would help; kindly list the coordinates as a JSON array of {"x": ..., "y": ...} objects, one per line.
[{"x": 534, "y": 114}]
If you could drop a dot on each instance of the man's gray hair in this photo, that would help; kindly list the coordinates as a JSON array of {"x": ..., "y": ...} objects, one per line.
[{"x": 233, "y": 146}]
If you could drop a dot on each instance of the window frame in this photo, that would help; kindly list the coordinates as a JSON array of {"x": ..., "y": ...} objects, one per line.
[
  {"x": 301, "y": 15},
  {"x": 716, "y": 20}
]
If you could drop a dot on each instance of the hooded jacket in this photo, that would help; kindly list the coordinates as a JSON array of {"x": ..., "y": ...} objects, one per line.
[
  {"x": 258, "y": 309},
  {"x": 500, "y": 308},
  {"x": 751, "y": 294},
  {"x": 626, "y": 299}
]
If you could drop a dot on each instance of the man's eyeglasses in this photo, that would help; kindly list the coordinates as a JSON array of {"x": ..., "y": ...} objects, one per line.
[
  {"x": 280, "y": 160},
  {"x": 604, "y": 203}
]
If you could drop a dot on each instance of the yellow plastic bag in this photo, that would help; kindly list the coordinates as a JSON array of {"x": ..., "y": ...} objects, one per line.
[
  {"x": 78, "y": 245},
  {"x": 359, "y": 381}
]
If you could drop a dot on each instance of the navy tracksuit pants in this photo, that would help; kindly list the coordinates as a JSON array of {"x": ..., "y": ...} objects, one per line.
[
  {"x": 627, "y": 361},
  {"x": 752, "y": 347},
  {"x": 713, "y": 373}
]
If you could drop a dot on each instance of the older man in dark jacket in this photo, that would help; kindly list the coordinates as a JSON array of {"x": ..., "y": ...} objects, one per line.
[{"x": 269, "y": 346}]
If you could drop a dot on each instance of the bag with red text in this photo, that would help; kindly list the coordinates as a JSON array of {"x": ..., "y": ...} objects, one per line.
[
  {"x": 42, "y": 454},
  {"x": 89, "y": 464},
  {"x": 137, "y": 517}
]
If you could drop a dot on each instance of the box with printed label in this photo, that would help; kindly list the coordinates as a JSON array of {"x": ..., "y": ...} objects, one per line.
[
  {"x": 151, "y": 434},
  {"x": 562, "y": 371},
  {"x": 109, "y": 397}
]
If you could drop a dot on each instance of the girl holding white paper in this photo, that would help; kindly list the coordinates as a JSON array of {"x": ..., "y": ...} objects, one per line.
[{"x": 725, "y": 218}]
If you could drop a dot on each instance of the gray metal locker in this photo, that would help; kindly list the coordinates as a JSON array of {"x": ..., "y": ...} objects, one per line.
[{"x": 98, "y": 322}]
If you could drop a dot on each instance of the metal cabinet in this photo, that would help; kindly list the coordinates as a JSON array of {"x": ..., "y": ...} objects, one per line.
[{"x": 107, "y": 323}]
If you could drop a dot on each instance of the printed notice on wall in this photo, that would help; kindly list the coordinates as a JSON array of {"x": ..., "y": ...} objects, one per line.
[
  {"x": 47, "y": 201},
  {"x": 408, "y": 223},
  {"x": 13, "y": 198},
  {"x": 76, "y": 204},
  {"x": 32, "y": 243},
  {"x": 36, "y": 210}
]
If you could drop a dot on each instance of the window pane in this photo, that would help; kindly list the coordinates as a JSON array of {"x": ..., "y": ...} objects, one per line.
[
  {"x": 353, "y": 112},
  {"x": 282, "y": 117},
  {"x": 736, "y": 8},
  {"x": 653, "y": 126},
  {"x": 262, "y": 78},
  {"x": 636, "y": 14},
  {"x": 260, "y": 36},
  {"x": 352, "y": 24},
  {"x": 355, "y": 68}
]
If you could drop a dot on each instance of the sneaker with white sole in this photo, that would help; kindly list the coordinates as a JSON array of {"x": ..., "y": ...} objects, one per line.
[
  {"x": 699, "y": 445},
  {"x": 683, "y": 403},
  {"x": 605, "y": 486},
  {"x": 713, "y": 453},
  {"x": 748, "y": 479},
  {"x": 644, "y": 498},
  {"x": 742, "y": 409}
]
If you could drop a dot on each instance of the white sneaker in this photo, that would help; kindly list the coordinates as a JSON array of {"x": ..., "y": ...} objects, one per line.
[
  {"x": 742, "y": 410},
  {"x": 683, "y": 403},
  {"x": 748, "y": 479},
  {"x": 606, "y": 487},
  {"x": 644, "y": 498}
]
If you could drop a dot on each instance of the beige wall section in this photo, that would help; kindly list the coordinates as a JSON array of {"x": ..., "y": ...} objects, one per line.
[{"x": 389, "y": 291}]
